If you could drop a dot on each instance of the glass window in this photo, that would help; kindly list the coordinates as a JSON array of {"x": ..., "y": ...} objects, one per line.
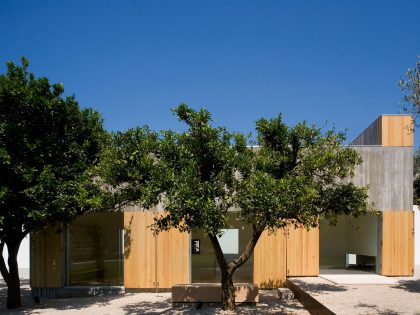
[
  {"x": 95, "y": 250},
  {"x": 204, "y": 267}
]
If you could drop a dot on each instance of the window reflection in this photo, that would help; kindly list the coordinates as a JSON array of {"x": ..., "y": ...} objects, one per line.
[
  {"x": 95, "y": 250},
  {"x": 204, "y": 264}
]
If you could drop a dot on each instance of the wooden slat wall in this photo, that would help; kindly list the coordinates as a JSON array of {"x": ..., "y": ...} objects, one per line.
[
  {"x": 270, "y": 260},
  {"x": 150, "y": 261},
  {"x": 396, "y": 131},
  {"x": 139, "y": 250},
  {"x": 302, "y": 251},
  {"x": 173, "y": 252},
  {"x": 397, "y": 252},
  {"x": 46, "y": 260}
]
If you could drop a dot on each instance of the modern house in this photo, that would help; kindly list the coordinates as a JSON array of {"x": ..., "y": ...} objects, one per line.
[{"x": 117, "y": 249}]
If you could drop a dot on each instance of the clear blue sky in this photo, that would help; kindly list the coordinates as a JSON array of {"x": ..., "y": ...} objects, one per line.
[{"x": 133, "y": 60}]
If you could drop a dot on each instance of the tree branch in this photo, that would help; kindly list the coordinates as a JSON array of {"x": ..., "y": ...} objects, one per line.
[
  {"x": 219, "y": 253},
  {"x": 236, "y": 263},
  {"x": 3, "y": 269}
]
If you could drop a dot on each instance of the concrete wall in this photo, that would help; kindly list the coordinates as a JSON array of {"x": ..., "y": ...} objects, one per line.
[{"x": 389, "y": 173}]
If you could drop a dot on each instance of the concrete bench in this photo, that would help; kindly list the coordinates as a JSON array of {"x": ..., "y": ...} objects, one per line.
[{"x": 212, "y": 293}]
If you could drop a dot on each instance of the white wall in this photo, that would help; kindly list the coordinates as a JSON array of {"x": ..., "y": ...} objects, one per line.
[
  {"x": 416, "y": 235},
  {"x": 349, "y": 236},
  {"x": 23, "y": 258},
  {"x": 362, "y": 235}
]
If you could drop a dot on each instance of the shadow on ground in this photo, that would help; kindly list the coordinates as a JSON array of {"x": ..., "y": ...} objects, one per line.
[
  {"x": 408, "y": 285},
  {"x": 269, "y": 304},
  {"x": 375, "y": 309},
  {"x": 319, "y": 287},
  {"x": 61, "y": 304}
]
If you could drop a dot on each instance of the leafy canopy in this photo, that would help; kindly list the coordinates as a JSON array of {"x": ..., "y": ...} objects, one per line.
[
  {"x": 293, "y": 175},
  {"x": 47, "y": 148},
  {"x": 411, "y": 86},
  {"x": 192, "y": 173},
  {"x": 296, "y": 174}
]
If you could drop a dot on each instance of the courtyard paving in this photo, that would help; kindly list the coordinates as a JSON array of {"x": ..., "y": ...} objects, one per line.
[
  {"x": 394, "y": 296},
  {"x": 142, "y": 303}
]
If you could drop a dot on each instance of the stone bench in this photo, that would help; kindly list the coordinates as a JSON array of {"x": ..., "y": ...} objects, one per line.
[{"x": 212, "y": 293}]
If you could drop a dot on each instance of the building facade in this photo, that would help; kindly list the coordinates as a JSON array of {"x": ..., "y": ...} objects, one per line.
[{"x": 106, "y": 251}]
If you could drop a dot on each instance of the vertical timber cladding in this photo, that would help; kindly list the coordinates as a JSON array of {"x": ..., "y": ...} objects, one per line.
[
  {"x": 302, "y": 251},
  {"x": 153, "y": 261},
  {"x": 397, "y": 243},
  {"x": 388, "y": 131},
  {"x": 289, "y": 252},
  {"x": 270, "y": 260},
  {"x": 46, "y": 251},
  {"x": 396, "y": 131}
]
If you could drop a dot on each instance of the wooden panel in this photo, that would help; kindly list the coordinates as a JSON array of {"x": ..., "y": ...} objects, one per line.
[
  {"x": 46, "y": 259},
  {"x": 270, "y": 260},
  {"x": 139, "y": 250},
  {"x": 396, "y": 131},
  {"x": 173, "y": 258},
  {"x": 154, "y": 261},
  {"x": 397, "y": 252},
  {"x": 302, "y": 251}
]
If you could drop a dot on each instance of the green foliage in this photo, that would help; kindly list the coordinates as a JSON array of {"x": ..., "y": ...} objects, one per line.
[
  {"x": 48, "y": 146},
  {"x": 299, "y": 173},
  {"x": 192, "y": 173},
  {"x": 411, "y": 86},
  {"x": 129, "y": 169},
  {"x": 294, "y": 175}
]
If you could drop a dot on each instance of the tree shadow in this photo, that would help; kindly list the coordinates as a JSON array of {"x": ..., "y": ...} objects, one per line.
[
  {"x": 128, "y": 238},
  {"x": 147, "y": 307},
  {"x": 376, "y": 310},
  {"x": 408, "y": 285},
  {"x": 59, "y": 304},
  {"x": 24, "y": 289},
  {"x": 319, "y": 287},
  {"x": 269, "y": 304}
]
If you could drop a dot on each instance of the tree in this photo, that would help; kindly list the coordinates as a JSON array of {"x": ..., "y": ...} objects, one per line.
[
  {"x": 47, "y": 148},
  {"x": 411, "y": 86},
  {"x": 295, "y": 175},
  {"x": 411, "y": 105}
]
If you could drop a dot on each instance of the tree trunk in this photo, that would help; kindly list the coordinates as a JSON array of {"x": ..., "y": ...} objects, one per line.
[
  {"x": 13, "y": 286},
  {"x": 228, "y": 269},
  {"x": 228, "y": 292},
  {"x": 11, "y": 276},
  {"x": 13, "y": 291}
]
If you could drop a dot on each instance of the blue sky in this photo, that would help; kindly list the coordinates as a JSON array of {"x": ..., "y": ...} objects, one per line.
[{"x": 317, "y": 61}]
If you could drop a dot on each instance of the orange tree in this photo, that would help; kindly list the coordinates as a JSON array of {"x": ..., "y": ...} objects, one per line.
[
  {"x": 47, "y": 148},
  {"x": 295, "y": 175}
]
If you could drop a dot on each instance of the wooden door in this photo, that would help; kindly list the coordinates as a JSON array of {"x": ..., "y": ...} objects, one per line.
[
  {"x": 270, "y": 260},
  {"x": 397, "y": 243},
  {"x": 46, "y": 259},
  {"x": 173, "y": 258},
  {"x": 152, "y": 261},
  {"x": 302, "y": 251}
]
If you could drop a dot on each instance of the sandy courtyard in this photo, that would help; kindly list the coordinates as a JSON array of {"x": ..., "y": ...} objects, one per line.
[{"x": 140, "y": 303}]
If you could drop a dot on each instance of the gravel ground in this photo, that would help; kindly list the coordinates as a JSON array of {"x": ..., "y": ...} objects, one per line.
[
  {"x": 403, "y": 297},
  {"x": 142, "y": 303}
]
